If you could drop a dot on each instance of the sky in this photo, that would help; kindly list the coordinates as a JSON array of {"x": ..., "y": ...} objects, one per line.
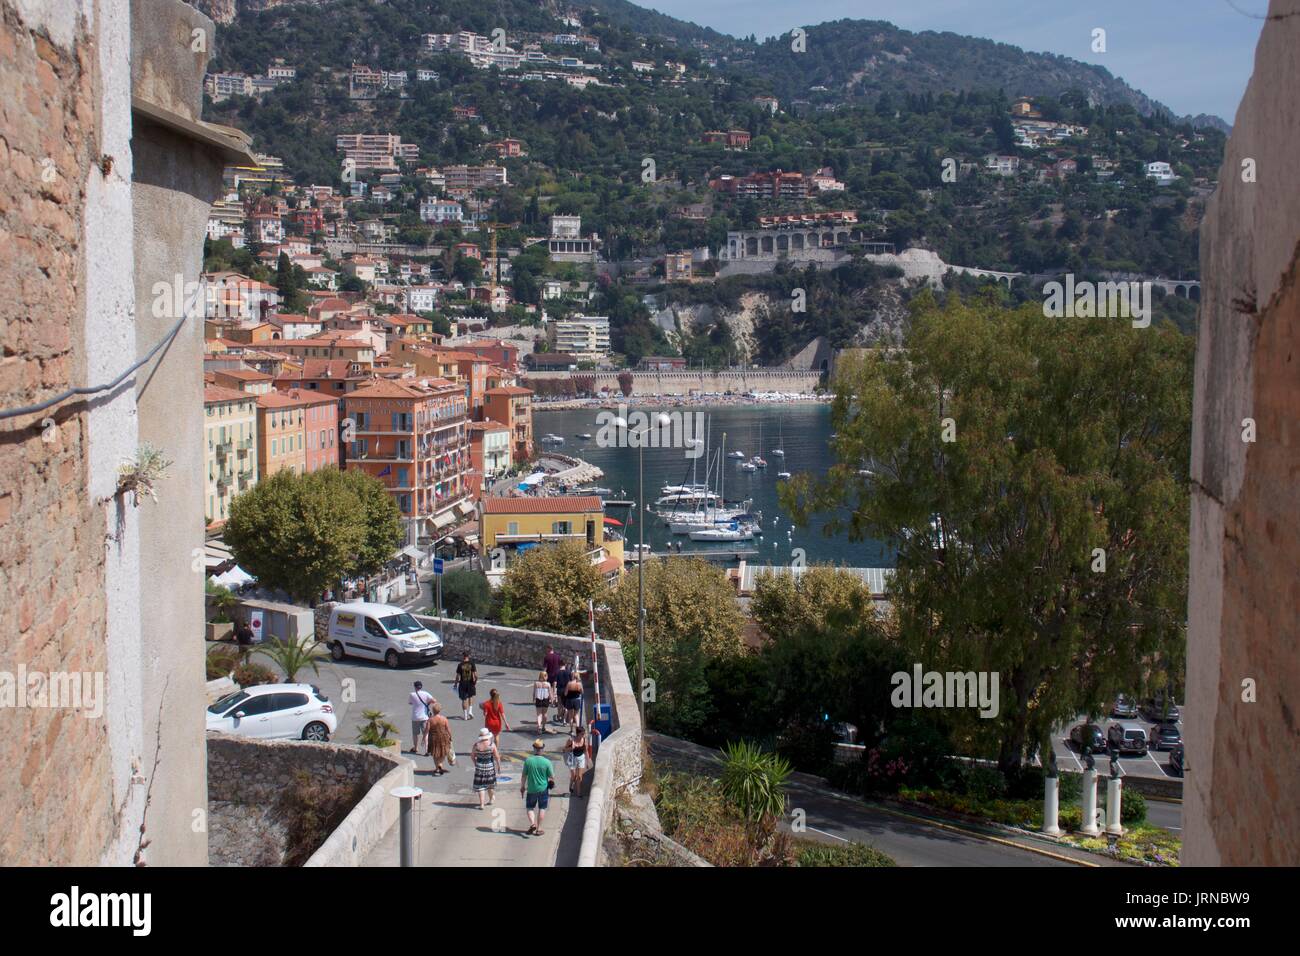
[{"x": 1195, "y": 56}]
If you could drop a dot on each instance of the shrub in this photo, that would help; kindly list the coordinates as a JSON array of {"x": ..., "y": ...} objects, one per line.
[
  {"x": 311, "y": 810},
  {"x": 248, "y": 674},
  {"x": 1132, "y": 808},
  {"x": 466, "y": 593},
  {"x": 808, "y": 853},
  {"x": 1071, "y": 818},
  {"x": 1070, "y": 787},
  {"x": 1025, "y": 783},
  {"x": 221, "y": 661}
]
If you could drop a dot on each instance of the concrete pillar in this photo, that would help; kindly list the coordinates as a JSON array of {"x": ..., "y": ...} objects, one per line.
[
  {"x": 1089, "y": 827},
  {"x": 1114, "y": 794},
  {"x": 1051, "y": 806}
]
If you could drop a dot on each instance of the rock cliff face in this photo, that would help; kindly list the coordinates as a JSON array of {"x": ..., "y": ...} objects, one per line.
[
  {"x": 225, "y": 11},
  {"x": 1244, "y": 598}
]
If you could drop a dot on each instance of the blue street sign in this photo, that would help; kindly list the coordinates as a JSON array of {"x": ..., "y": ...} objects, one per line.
[{"x": 437, "y": 565}]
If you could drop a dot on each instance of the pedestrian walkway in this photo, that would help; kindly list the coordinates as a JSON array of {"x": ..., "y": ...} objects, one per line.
[{"x": 450, "y": 828}]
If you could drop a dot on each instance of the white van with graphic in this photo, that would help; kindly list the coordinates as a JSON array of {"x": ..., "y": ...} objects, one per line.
[{"x": 380, "y": 632}]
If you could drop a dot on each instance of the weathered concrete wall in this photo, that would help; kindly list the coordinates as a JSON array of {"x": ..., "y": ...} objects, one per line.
[
  {"x": 174, "y": 182},
  {"x": 1244, "y": 595}
]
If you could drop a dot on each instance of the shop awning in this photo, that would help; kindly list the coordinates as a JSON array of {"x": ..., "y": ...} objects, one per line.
[
  {"x": 614, "y": 521},
  {"x": 441, "y": 521}
]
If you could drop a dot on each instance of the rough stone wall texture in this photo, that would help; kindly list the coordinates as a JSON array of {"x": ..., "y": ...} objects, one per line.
[
  {"x": 246, "y": 770},
  {"x": 1244, "y": 595},
  {"x": 247, "y": 778},
  {"x": 57, "y": 806}
]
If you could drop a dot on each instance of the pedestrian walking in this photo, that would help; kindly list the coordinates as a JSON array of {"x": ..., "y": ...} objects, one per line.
[
  {"x": 494, "y": 715},
  {"x": 542, "y": 694},
  {"x": 558, "y": 683},
  {"x": 535, "y": 786},
  {"x": 487, "y": 767},
  {"x": 552, "y": 663},
  {"x": 577, "y": 757},
  {"x": 573, "y": 700},
  {"x": 466, "y": 686},
  {"x": 420, "y": 701},
  {"x": 438, "y": 733}
]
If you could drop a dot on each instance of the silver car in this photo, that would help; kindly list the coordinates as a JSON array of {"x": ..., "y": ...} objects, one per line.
[{"x": 1125, "y": 708}]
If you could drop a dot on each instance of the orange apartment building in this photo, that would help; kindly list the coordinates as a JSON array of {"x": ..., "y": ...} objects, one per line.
[
  {"x": 512, "y": 406},
  {"x": 328, "y": 376},
  {"x": 411, "y": 435},
  {"x": 281, "y": 443}
]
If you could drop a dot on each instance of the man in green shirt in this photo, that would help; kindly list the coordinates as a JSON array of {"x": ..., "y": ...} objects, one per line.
[{"x": 535, "y": 786}]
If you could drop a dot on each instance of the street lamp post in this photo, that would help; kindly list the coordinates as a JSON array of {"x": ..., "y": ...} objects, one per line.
[{"x": 660, "y": 420}]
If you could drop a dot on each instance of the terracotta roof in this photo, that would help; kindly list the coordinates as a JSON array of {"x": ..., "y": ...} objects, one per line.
[
  {"x": 509, "y": 390},
  {"x": 326, "y": 368},
  {"x": 559, "y": 504},
  {"x": 277, "y": 400},
  {"x": 488, "y": 427},
  {"x": 405, "y": 388},
  {"x": 215, "y": 393},
  {"x": 245, "y": 374},
  {"x": 307, "y": 396}
]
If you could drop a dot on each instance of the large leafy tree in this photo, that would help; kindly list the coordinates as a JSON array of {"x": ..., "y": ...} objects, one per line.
[
  {"x": 818, "y": 597},
  {"x": 1032, "y": 473},
  {"x": 302, "y": 533},
  {"x": 691, "y": 619},
  {"x": 547, "y": 589}
]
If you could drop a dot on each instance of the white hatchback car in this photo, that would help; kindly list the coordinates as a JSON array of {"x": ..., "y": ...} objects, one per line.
[{"x": 288, "y": 711}]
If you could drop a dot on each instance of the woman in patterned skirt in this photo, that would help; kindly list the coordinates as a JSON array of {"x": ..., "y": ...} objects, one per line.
[
  {"x": 487, "y": 764},
  {"x": 439, "y": 735}
]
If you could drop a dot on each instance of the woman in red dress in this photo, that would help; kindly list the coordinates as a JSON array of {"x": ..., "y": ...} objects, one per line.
[{"x": 494, "y": 716}]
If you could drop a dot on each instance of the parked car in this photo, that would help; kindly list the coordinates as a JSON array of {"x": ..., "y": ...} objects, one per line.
[
  {"x": 1127, "y": 738},
  {"x": 1125, "y": 708},
  {"x": 380, "y": 632},
  {"x": 844, "y": 732},
  {"x": 1159, "y": 710},
  {"x": 1177, "y": 761},
  {"x": 1166, "y": 736},
  {"x": 1088, "y": 735},
  {"x": 274, "y": 711}
]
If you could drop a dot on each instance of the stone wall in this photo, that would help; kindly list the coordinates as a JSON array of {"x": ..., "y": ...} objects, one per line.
[
  {"x": 253, "y": 774},
  {"x": 1244, "y": 592}
]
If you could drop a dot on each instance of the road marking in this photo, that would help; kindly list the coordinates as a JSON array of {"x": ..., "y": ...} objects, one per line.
[{"x": 831, "y": 835}]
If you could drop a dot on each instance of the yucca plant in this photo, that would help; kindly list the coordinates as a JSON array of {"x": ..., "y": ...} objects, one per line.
[
  {"x": 292, "y": 657},
  {"x": 754, "y": 782}
]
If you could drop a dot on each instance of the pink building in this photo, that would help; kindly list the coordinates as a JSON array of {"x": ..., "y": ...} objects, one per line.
[{"x": 320, "y": 424}]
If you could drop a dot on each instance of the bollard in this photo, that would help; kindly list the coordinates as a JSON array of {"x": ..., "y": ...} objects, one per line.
[
  {"x": 1090, "y": 827},
  {"x": 406, "y": 822},
  {"x": 1114, "y": 793},
  {"x": 1051, "y": 806}
]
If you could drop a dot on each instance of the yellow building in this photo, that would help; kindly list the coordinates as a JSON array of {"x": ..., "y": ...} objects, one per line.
[
  {"x": 281, "y": 441},
  {"x": 230, "y": 460},
  {"x": 508, "y": 526}
]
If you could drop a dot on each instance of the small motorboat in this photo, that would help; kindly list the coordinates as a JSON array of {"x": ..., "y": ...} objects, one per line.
[
  {"x": 748, "y": 466},
  {"x": 783, "y": 476},
  {"x": 778, "y": 452},
  {"x": 758, "y": 462},
  {"x": 736, "y": 454}
]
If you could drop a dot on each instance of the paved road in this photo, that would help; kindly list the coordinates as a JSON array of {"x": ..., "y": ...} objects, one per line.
[
  {"x": 452, "y": 831},
  {"x": 834, "y": 816}
]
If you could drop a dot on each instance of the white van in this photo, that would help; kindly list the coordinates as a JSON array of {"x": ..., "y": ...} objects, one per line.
[{"x": 380, "y": 632}]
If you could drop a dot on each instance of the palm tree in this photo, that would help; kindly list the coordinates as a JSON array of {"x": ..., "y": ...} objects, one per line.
[{"x": 292, "y": 657}]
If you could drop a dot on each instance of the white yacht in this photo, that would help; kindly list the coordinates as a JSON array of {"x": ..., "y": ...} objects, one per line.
[{"x": 732, "y": 532}]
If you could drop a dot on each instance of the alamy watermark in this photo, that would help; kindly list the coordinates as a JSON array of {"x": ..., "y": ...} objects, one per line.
[
  {"x": 67, "y": 690},
  {"x": 678, "y": 429},
  {"x": 1102, "y": 300},
  {"x": 946, "y": 689}
]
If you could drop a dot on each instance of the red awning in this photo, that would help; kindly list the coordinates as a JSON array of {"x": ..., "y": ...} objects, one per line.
[{"x": 614, "y": 521}]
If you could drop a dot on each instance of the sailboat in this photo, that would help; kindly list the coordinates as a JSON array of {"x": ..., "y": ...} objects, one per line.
[
  {"x": 757, "y": 461},
  {"x": 779, "y": 450}
]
